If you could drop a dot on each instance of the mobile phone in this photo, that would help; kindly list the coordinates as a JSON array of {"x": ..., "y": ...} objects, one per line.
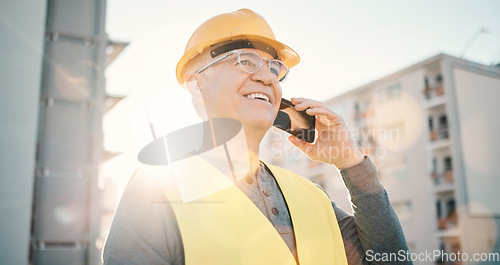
[{"x": 297, "y": 123}]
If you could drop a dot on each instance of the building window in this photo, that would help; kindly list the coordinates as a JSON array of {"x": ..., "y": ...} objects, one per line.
[
  {"x": 439, "y": 80},
  {"x": 443, "y": 127},
  {"x": 443, "y": 121},
  {"x": 357, "y": 114},
  {"x": 390, "y": 93},
  {"x": 447, "y": 164},
  {"x": 394, "y": 91},
  {"x": 438, "y": 209},
  {"x": 427, "y": 89},
  {"x": 450, "y": 206}
]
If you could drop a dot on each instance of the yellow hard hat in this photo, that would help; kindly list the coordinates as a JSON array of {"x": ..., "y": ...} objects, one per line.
[{"x": 237, "y": 26}]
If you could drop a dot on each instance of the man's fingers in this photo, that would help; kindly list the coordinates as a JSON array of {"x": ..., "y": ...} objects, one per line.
[
  {"x": 296, "y": 101},
  {"x": 324, "y": 111},
  {"x": 331, "y": 117},
  {"x": 304, "y": 103},
  {"x": 302, "y": 145}
]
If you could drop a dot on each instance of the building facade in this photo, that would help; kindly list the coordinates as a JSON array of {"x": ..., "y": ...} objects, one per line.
[
  {"x": 54, "y": 100},
  {"x": 430, "y": 129}
]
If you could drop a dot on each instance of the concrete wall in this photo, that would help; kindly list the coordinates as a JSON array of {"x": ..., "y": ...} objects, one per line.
[
  {"x": 22, "y": 26},
  {"x": 475, "y": 126}
]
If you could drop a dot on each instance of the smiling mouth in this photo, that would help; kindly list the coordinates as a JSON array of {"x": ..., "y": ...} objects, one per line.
[{"x": 258, "y": 96}]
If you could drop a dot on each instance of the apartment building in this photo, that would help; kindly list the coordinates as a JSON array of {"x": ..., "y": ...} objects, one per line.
[{"x": 431, "y": 130}]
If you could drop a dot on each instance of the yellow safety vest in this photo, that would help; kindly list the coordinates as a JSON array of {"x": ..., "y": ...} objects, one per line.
[{"x": 226, "y": 228}]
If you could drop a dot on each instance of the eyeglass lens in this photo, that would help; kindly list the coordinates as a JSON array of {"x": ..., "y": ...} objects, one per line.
[{"x": 252, "y": 62}]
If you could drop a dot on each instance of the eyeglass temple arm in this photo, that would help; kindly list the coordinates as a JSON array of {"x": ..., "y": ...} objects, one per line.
[{"x": 214, "y": 62}]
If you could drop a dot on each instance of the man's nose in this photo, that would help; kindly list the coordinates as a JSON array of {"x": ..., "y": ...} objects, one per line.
[{"x": 264, "y": 76}]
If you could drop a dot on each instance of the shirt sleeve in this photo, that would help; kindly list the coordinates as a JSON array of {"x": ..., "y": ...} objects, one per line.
[
  {"x": 374, "y": 227},
  {"x": 144, "y": 229}
]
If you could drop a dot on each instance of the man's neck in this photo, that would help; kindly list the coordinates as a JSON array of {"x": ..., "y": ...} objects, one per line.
[
  {"x": 252, "y": 136},
  {"x": 253, "y": 143}
]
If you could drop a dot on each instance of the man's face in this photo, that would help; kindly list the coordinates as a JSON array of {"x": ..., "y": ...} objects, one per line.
[{"x": 230, "y": 92}]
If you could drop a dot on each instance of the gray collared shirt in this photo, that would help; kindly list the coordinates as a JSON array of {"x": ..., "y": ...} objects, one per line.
[{"x": 145, "y": 231}]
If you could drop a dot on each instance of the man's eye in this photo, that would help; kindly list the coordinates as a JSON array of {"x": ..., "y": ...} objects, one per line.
[
  {"x": 246, "y": 63},
  {"x": 274, "y": 72}
]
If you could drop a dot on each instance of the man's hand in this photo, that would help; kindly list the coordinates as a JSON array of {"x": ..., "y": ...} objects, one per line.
[{"x": 334, "y": 144}]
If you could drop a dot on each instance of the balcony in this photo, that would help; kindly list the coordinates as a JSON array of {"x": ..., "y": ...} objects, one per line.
[
  {"x": 433, "y": 92},
  {"x": 434, "y": 97},
  {"x": 443, "y": 182},
  {"x": 436, "y": 135},
  {"x": 433, "y": 136},
  {"x": 450, "y": 222},
  {"x": 364, "y": 118},
  {"x": 446, "y": 177},
  {"x": 448, "y": 226},
  {"x": 439, "y": 138}
]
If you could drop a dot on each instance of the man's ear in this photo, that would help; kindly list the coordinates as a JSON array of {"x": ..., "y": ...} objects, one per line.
[{"x": 193, "y": 86}]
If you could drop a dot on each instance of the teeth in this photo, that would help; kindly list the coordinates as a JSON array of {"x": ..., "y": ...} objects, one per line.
[{"x": 259, "y": 96}]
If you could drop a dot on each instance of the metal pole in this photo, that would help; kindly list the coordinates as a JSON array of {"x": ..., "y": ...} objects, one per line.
[{"x": 472, "y": 39}]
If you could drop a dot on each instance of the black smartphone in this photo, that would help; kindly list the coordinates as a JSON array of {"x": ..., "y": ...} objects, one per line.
[{"x": 297, "y": 123}]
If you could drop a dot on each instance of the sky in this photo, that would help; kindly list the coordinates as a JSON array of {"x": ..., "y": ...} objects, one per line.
[{"x": 342, "y": 45}]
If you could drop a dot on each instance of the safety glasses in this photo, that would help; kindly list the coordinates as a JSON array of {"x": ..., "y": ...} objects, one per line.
[{"x": 251, "y": 62}]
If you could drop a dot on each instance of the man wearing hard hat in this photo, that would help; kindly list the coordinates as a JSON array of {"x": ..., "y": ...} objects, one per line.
[{"x": 233, "y": 66}]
